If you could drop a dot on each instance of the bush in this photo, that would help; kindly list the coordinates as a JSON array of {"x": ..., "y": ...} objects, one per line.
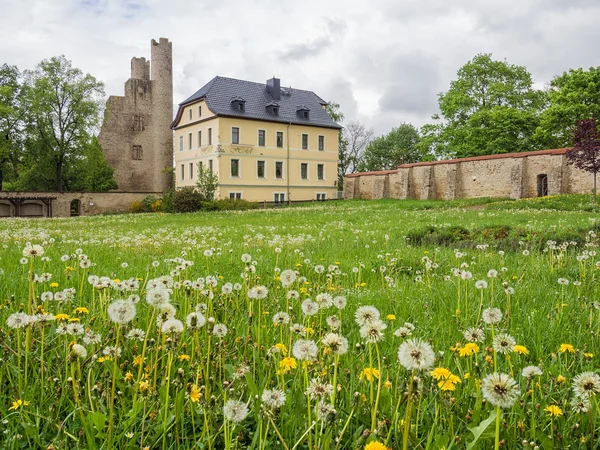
[
  {"x": 136, "y": 207},
  {"x": 186, "y": 199}
]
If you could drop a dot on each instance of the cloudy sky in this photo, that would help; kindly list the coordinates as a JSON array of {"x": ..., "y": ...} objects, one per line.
[{"x": 384, "y": 61}]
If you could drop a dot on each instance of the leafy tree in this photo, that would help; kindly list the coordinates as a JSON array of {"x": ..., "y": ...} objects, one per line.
[
  {"x": 490, "y": 108},
  {"x": 333, "y": 109},
  {"x": 585, "y": 154},
  {"x": 356, "y": 137},
  {"x": 63, "y": 111},
  {"x": 208, "y": 183},
  {"x": 573, "y": 96},
  {"x": 11, "y": 124},
  {"x": 91, "y": 173},
  {"x": 399, "y": 146}
]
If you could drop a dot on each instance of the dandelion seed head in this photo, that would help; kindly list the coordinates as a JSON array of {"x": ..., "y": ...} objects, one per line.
[
  {"x": 500, "y": 390},
  {"x": 415, "y": 354}
]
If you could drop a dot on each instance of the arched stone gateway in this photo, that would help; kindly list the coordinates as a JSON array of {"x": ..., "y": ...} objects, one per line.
[{"x": 542, "y": 185}]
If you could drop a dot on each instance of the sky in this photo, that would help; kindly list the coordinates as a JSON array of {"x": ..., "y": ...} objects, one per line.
[{"x": 383, "y": 61}]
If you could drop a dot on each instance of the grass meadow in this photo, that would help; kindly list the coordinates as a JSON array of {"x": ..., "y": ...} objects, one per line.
[{"x": 345, "y": 325}]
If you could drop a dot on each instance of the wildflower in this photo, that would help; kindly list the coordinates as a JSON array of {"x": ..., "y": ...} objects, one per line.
[
  {"x": 18, "y": 320},
  {"x": 449, "y": 384},
  {"x": 375, "y": 446},
  {"x": 415, "y": 354},
  {"x": 75, "y": 328},
  {"x": 297, "y": 328},
  {"x": 304, "y": 350},
  {"x": 339, "y": 302},
  {"x": 121, "y": 311},
  {"x": 566, "y": 348},
  {"x": 370, "y": 374},
  {"x": 59, "y": 317},
  {"x": 235, "y": 411},
  {"x": 287, "y": 277},
  {"x": 144, "y": 386},
  {"x": 172, "y": 326},
  {"x": 588, "y": 355},
  {"x": 580, "y": 405},
  {"x": 281, "y": 318},
  {"x": 220, "y": 330},
  {"x": 324, "y": 300},
  {"x": 81, "y": 310},
  {"x": 491, "y": 316},
  {"x": 79, "y": 351},
  {"x": 287, "y": 364},
  {"x": 18, "y": 404},
  {"x": 195, "y": 320},
  {"x": 586, "y": 384},
  {"x": 338, "y": 344},
  {"x": 521, "y": 350},
  {"x": 316, "y": 389},
  {"x": 157, "y": 296},
  {"x": 403, "y": 332},
  {"x": 563, "y": 281},
  {"x": 240, "y": 372},
  {"x": 324, "y": 411},
  {"x": 560, "y": 379},
  {"x": 136, "y": 334},
  {"x": 531, "y": 371},
  {"x": 500, "y": 390},
  {"x": 440, "y": 373},
  {"x": 469, "y": 349},
  {"x": 481, "y": 284},
  {"x": 128, "y": 377},
  {"x": 282, "y": 348},
  {"x": 390, "y": 317},
  {"x": 46, "y": 296},
  {"x": 333, "y": 322},
  {"x": 553, "y": 410},
  {"x": 365, "y": 315},
  {"x": 33, "y": 251},
  {"x": 138, "y": 360},
  {"x": 309, "y": 308},
  {"x": 373, "y": 331},
  {"x": 183, "y": 357},
  {"x": 195, "y": 394},
  {"x": 503, "y": 343}
]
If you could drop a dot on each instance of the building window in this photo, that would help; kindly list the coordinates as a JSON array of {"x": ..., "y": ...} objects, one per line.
[
  {"x": 279, "y": 197},
  {"x": 210, "y": 165},
  {"x": 136, "y": 152},
  {"x": 181, "y": 143},
  {"x": 182, "y": 172},
  {"x": 235, "y": 167},
  {"x": 321, "y": 143},
  {"x": 305, "y": 142},
  {"x": 199, "y": 138},
  {"x": 138, "y": 123},
  {"x": 280, "y": 139},
  {"x": 321, "y": 196},
  {"x": 320, "y": 171},
  {"x": 261, "y": 138},
  {"x": 304, "y": 171},
  {"x": 200, "y": 111},
  {"x": 235, "y": 135},
  {"x": 279, "y": 170},
  {"x": 210, "y": 136},
  {"x": 260, "y": 169},
  {"x": 201, "y": 166},
  {"x": 191, "y": 171},
  {"x": 235, "y": 195},
  {"x": 190, "y": 113},
  {"x": 189, "y": 141}
]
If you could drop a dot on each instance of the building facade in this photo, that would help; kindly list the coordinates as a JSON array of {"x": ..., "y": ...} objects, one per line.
[
  {"x": 509, "y": 175},
  {"x": 135, "y": 134},
  {"x": 265, "y": 143}
]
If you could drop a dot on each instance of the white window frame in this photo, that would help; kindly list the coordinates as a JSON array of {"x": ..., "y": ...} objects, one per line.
[
  {"x": 307, "y": 141},
  {"x": 264, "y": 177},
  {"x": 190, "y": 113},
  {"x": 282, "y": 138},
  {"x": 235, "y": 195},
  {"x": 258, "y": 138},
  {"x": 190, "y": 143},
  {"x": 321, "y": 179},
  {"x": 280, "y": 194},
  {"x": 322, "y": 195},
  {"x": 191, "y": 170},
  {"x": 199, "y": 138},
  {"x": 239, "y": 175},
  {"x": 199, "y": 110},
  {"x": 307, "y": 172},
  {"x": 182, "y": 172},
  {"x": 239, "y": 136},
  {"x": 181, "y": 143},
  {"x": 282, "y": 170},
  {"x": 318, "y": 139}
]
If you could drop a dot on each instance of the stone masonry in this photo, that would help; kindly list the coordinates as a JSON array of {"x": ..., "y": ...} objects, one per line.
[
  {"x": 510, "y": 175},
  {"x": 136, "y": 136}
]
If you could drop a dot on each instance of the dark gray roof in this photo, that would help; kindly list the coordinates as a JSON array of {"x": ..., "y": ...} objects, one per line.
[{"x": 219, "y": 92}]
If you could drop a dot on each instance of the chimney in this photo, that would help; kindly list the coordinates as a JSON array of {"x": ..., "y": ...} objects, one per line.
[{"x": 273, "y": 86}]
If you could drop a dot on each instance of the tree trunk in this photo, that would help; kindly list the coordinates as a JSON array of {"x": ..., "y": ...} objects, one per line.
[
  {"x": 595, "y": 202},
  {"x": 59, "y": 176}
]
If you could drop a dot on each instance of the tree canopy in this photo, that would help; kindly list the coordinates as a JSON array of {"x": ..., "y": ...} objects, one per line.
[
  {"x": 585, "y": 154},
  {"x": 399, "y": 146}
]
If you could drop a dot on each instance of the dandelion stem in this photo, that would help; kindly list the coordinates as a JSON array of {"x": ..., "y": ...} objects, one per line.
[
  {"x": 112, "y": 389},
  {"x": 408, "y": 414},
  {"x": 497, "y": 441}
]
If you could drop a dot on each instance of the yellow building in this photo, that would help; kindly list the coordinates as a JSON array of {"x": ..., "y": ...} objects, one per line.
[{"x": 264, "y": 142}]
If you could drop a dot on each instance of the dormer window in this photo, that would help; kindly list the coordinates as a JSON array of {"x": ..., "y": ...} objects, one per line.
[
  {"x": 273, "y": 108},
  {"x": 303, "y": 112},
  {"x": 238, "y": 103}
]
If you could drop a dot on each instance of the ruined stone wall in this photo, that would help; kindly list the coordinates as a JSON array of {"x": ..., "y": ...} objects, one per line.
[
  {"x": 509, "y": 177},
  {"x": 136, "y": 135},
  {"x": 90, "y": 203}
]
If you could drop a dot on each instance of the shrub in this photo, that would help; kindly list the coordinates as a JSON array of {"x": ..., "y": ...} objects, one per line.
[
  {"x": 136, "y": 207},
  {"x": 186, "y": 199}
]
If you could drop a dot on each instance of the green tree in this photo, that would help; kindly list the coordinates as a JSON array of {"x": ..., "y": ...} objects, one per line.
[
  {"x": 490, "y": 108},
  {"x": 207, "y": 182},
  {"x": 333, "y": 109},
  {"x": 399, "y": 146},
  {"x": 91, "y": 173},
  {"x": 63, "y": 111},
  {"x": 11, "y": 123},
  {"x": 573, "y": 96}
]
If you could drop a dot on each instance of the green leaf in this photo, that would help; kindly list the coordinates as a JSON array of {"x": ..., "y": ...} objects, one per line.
[{"x": 481, "y": 431}]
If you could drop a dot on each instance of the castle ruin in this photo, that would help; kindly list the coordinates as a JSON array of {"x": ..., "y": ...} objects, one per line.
[{"x": 136, "y": 136}]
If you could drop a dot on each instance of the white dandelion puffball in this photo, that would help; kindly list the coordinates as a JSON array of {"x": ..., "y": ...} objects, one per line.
[
  {"x": 415, "y": 354},
  {"x": 195, "y": 320},
  {"x": 172, "y": 326},
  {"x": 220, "y": 330},
  {"x": 504, "y": 343},
  {"x": 235, "y": 411},
  {"x": 338, "y": 344},
  {"x": 491, "y": 316},
  {"x": 121, "y": 311},
  {"x": 157, "y": 296},
  {"x": 531, "y": 371},
  {"x": 500, "y": 390},
  {"x": 305, "y": 349},
  {"x": 309, "y": 308},
  {"x": 273, "y": 398},
  {"x": 366, "y": 314},
  {"x": 79, "y": 351},
  {"x": 287, "y": 277},
  {"x": 18, "y": 320},
  {"x": 586, "y": 384}
]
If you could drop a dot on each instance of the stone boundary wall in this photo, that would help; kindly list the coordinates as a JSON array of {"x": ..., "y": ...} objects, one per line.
[
  {"x": 58, "y": 204},
  {"x": 510, "y": 175}
]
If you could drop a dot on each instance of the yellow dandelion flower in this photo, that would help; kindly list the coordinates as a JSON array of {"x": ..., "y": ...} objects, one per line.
[
  {"x": 440, "y": 373},
  {"x": 195, "y": 394},
  {"x": 553, "y": 410},
  {"x": 183, "y": 357},
  {"x": 18, "y": 404},
  {"x": 309, "y": 331},
  {"x": 588, "y": 355},
  {"x": 560, "y": 379},
  {"x": 54, "y": 285},
  {"x": 287, "y": 364},
  {"x": 566, "y": 348},
  {"x": 282, "y": 348},
  {"x": 138, "y": 360},
  {"x": 116, "y": 280},
  {"x": 469, "y": 349},
  {"x": 391, "y": 317},
  {"x": 81, "y": 310},
  {"x": 466, "y": 376},
  {"x": 521, "y": 349},
  {"x": 128, "y": 377},
  {"x": 375, "y": 446},
  {"x": 61, "y": 317},
  {"x": 144, "y": 386},
  {"x": 104, "y": 358},
  {"x": 327, "y": 351},
  {"x": 447, "y": 385},
  {"x": 387, "y": 384},
  {"x": 74, "y": 319},
  {"x": 370, "y": 374}
]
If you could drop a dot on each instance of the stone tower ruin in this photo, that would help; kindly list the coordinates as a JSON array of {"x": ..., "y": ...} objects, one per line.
[{"x": 136, "y": 136}]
